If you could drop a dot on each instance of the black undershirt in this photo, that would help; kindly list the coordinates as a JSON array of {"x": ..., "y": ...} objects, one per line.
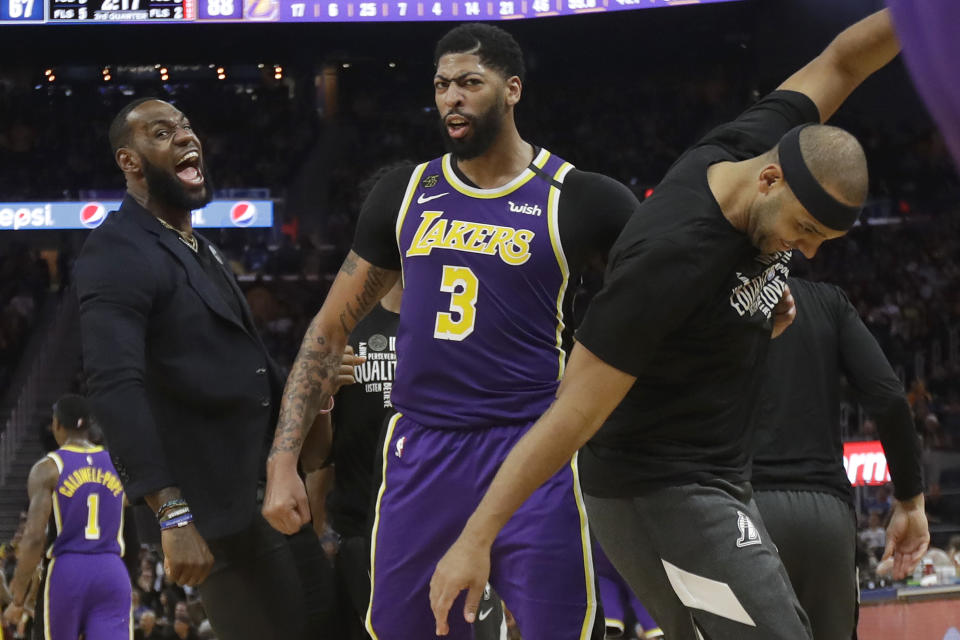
[{"x": 798, "y": 444}]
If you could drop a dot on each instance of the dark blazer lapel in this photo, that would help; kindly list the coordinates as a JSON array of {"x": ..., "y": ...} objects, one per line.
[
  {"x": 198, "y": 278},
  {"x": 221, "y": 260}
]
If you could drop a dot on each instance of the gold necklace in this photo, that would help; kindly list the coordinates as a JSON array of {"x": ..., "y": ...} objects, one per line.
[{"x": 186, "y": 238}]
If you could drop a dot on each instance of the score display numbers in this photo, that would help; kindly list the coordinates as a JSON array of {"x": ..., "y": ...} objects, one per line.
[
  {"x": 174, "y": 11},
  {"x": 117, "y": 10}
]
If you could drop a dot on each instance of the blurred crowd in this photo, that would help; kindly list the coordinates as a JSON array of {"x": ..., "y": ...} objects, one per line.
[
  {"x": 24, "y": 280},
  {"x": 53, "y": 139}
]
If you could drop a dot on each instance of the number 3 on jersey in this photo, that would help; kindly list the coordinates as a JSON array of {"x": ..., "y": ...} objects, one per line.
[{"x": 462, "y": 285}]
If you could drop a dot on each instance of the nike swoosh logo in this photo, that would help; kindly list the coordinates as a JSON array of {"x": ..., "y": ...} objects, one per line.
[
  {"x": 424, "y": 198},
  {"x": 483, "y": 614}
]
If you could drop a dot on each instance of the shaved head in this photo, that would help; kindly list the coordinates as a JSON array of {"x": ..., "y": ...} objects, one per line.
[{"x": 837, "y": 161}]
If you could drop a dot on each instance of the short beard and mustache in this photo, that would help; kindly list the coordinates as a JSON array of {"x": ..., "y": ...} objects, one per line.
[
  {"x": 486, "y": 127},
  {"x": 164, "y": 187}
]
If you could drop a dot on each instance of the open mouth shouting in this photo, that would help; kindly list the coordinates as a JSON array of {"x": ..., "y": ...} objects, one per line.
[
  {"x": 188, "y": 169},
  {"x": 457, "y": 126}
]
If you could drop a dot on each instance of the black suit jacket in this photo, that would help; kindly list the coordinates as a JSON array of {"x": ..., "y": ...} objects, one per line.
[{"x": 185, "y": 390}]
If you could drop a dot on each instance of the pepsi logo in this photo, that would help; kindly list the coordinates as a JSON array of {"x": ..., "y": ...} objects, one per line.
[
  {"x": 243, "y": 214},
  {"x": 92, "y": 215}
]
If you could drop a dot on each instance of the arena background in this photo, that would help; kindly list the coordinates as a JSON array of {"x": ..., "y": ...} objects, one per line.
[{"x": 304, "y": 113}]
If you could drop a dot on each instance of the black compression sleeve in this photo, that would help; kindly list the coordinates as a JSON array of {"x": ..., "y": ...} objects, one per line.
[{"x": 881, "y": 394}]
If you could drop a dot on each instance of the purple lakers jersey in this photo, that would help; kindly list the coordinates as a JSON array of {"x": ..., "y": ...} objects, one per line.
[
  {"x": 87, "y": 503},
  {"x": 484, "y": 275}
]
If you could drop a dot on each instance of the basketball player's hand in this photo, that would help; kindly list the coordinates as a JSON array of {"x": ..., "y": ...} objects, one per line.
[
  {"x": 465, "y": 565},
  {"x": 784, "y": 313},
  {"x": 12, "y": 615},
  {"x": 285, "y": 504},
  {"x": 908, "y": 536},
  {"x": 186, "y": 556},
  {"x": 346, "y": 375}
]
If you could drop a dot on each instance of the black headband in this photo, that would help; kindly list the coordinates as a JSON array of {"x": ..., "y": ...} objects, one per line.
[{"x": 812, "y": 196}]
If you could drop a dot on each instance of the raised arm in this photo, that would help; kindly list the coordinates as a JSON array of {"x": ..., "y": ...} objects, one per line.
[
  {"x": 591, "y": 389},
  {"x": 313, "y": 381},
  {"x": 848, "y": 60}
]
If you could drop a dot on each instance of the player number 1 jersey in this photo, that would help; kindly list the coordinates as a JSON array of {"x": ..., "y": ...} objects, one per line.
[
  {"x": 479, "y": 341},
  {"x": 87, "y": 502}
]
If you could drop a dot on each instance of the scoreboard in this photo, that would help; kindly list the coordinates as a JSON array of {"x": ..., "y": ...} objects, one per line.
[{"x": 179, "y": 11}]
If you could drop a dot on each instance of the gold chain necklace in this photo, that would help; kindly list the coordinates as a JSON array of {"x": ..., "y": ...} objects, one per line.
[{"x": 186, "y": 238}]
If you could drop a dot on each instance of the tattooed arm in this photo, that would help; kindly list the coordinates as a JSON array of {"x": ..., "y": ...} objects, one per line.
[{"x": 313, "y": 381}]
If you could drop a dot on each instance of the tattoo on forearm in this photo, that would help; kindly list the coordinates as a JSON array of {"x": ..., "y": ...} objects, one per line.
[
  {"x": 304, "y": 393},
  {"x": 364, "y": 301},
  {"x": 349, "y": 265},
  {"x": 312, "y": 379}
]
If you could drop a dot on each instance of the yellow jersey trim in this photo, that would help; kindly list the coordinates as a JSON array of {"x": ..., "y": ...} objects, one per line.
[
  {"x": 57, "y": 519},
  {"x": 123, "y": 546},
  {"x": 53, "y": 455},
  {"x": 404, "y": 207},
  {"x": 76, "y": 449},
  {"x": 553, "y": 208},
  {"x": 588, "y": 571},
  {"x": 376, "y": 522},
  {"x": 47, "y": 632},
  {"x": 615, "y": 623},
  {"x": 525, "y": 176}
]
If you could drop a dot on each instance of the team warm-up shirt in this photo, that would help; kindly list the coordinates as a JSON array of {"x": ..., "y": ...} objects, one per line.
[
  {"x": 359, "y": 415},
  {"x": 485, "y": 273},
  {"x": 686, "y": 308},
  {"x": 798, "y": 445},
  {"x": 87, "y": 502}
]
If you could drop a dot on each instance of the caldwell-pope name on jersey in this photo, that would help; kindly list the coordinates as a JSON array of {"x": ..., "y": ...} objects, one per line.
[
  {"x": 434, "y": 232},
  {"x": 83, "y": 475}
]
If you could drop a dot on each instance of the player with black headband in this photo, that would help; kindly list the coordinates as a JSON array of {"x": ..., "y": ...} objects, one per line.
[{"x": 666, "y": 373}]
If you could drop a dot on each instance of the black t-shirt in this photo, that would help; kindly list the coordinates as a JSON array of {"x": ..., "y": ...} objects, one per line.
[
  {"x": 686, "y": 308},
  {"x": 592, "y": 211},
  {"x": 797, "y": 444},
  {"x": 358, "y": 418}
]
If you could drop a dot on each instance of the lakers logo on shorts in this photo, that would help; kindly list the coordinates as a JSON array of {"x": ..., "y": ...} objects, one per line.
[{"x": 748, "y": 531}]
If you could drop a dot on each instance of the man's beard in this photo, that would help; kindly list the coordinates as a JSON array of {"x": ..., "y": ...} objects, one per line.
[
  {"x": 165, "y": 188},
  {"x": 765, "y": 216},
  {"x": 485, "y": 129}
]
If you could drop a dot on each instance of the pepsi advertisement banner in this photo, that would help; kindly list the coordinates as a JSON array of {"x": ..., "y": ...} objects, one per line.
[{"x": 16, "y": 216}]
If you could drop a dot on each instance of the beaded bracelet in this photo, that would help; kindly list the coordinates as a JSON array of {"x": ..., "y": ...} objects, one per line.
[
  {"x": 176, "y": 523},
  {"x": 176, "y": 502}
]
